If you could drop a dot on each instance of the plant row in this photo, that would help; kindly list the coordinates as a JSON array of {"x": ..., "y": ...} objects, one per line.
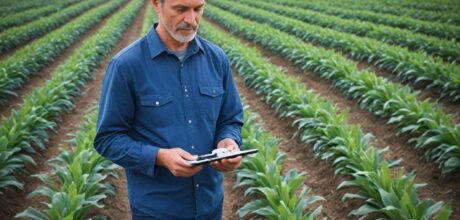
[
  {"x": 149, "y": 19},
  {"x": 443, "y": 6},
  {"x": 429, "y": 28},
  {"x": 444, "y": 17},
  {"x": 333, "y": 139},
  {"x": 432, "y": 127},
  {"x": 409, "y": 66},
  {"x": 27, "y": 126},
  {"x": 75, "y": 185},
  {"x": 17, "y": 36},
  {"x": 16, "y": 69},
  {"x": 33, "y": 14},
  {"x": 261, "y": 175},
  {"x": 16, "y": 6},
  {"x": 449, "y": 51},
  {"x": 440, "y": 6}
]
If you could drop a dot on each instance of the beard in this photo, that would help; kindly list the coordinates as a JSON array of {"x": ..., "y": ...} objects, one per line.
[{"x": 179, "y": 37}]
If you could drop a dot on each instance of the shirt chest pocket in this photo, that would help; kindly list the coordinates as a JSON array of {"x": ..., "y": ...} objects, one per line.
[
  {"x": 157, "y": 109},
  {"x": 211, "y": 98}
]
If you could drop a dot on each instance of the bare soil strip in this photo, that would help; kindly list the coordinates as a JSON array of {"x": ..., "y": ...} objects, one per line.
[
  {"x": 37, "y": 79},
  {"x": 15, "y": 200},
  {"x": 438, "y": 188}
]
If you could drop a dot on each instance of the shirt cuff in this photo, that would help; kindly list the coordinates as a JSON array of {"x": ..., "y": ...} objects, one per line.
[{"x": 148, "y": 159}]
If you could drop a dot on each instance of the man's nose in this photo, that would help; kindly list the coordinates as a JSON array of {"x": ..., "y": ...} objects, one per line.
[{"x": 190, "y": 18}]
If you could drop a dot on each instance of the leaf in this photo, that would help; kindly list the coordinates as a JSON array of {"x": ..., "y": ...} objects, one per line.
[
  {"x": 31, "y": 213},
  {"x": 251, "y": 207},
  {"x": 364, "y": 210},
  {"x": 445, "y": 212}
]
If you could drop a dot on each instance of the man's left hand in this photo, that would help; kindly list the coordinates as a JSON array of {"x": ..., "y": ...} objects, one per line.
[{"x": 229, "y": 164}]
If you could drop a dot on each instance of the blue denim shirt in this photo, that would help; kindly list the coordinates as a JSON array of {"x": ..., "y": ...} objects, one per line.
[{"x": 151, "y": 100}]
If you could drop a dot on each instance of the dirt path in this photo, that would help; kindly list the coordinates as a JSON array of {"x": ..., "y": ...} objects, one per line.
[
  {"x": 438, "y": 188},
  {"x": 36, "y": 80},
  {"x": 233, "y": 198},
  {"x": 15, "y": 200}
]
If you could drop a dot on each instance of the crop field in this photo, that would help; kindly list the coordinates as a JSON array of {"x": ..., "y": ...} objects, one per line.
[{"x": 353, "y": 104}]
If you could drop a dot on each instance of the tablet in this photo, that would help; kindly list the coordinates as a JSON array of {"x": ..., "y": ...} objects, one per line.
[{"x": 219, "y": 154}]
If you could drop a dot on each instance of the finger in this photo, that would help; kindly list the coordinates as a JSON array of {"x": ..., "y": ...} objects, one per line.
[
  {"x": 225, "y": 165},
  {"x": 187, "y": 171},
  {"x": 190, "y": 171},
  {"x": 184, "y": 163},
  {"x": 232, "y": 163},
  {"x": 216, "y": 165},
  {"x": 235, "y": 160},
  {"x": 186, "y": 155}
]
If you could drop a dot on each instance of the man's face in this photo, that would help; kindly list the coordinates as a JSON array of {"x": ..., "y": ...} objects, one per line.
[{"x": 180, "y": 18}]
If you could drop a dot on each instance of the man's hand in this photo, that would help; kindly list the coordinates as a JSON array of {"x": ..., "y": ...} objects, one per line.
[
  {"x": 174, "y": 160},
  {"x": 229, "y": 164}
]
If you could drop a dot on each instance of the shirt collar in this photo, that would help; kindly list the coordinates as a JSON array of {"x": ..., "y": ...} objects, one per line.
[{"x": 156, "y": 46}]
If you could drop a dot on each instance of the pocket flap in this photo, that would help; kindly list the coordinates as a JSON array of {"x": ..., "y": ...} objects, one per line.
[
  {"x": 156, "y": 100},
  {"x": 212, "y": 91}
]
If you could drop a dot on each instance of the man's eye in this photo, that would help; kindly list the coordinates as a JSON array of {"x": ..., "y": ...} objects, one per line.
[
  {"x": 181, "y": 9},
  {"x": 200, "y": 9}
]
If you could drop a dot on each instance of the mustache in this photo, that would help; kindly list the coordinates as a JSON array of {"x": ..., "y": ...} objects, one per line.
[{"x": 186, "y": 26}]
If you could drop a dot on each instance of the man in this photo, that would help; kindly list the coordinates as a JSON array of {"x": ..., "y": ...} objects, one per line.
[{"x": 165, "y": 99}]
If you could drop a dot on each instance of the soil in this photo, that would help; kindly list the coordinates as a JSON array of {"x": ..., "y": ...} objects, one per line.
[{"x": 233, "y": 198}]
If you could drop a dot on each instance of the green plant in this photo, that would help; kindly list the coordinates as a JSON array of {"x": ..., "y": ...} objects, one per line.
[
  {"x": 29, "y": 124},
  {"x": 75, "y": 185},
  {"x": 375, "y": 94},
  {"x": 261, "y": 174},
  {"x": 16, "y": 69},
  {"x": 318, "y": 123}
]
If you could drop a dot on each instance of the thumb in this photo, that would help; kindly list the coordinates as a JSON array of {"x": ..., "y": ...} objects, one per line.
[{"x": 184, "y": 154}]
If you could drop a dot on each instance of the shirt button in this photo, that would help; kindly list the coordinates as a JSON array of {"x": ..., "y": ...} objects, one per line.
[
  {"x": 193, "y": 147},
  {"x": 197, "y": 185},
  {"x": 185, "y": 90},
  {"x": 157, "y": 103},
  {"x": 190, "y": 121},
  {"x": 181, "y": 65}
]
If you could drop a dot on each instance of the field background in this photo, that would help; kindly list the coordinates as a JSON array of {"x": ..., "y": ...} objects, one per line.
[{"x": 325, "y": 84}]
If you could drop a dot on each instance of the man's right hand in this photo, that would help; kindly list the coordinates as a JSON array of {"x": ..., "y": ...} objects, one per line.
[{"x": 175, "y": 160}]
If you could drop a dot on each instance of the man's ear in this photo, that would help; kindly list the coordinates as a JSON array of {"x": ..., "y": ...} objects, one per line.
[{"x": 156, "y": 5}]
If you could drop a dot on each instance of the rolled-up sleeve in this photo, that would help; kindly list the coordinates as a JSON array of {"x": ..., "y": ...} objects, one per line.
[
  {"x": 230, "y": 118},
  {"x": 116, "y": 114}
]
